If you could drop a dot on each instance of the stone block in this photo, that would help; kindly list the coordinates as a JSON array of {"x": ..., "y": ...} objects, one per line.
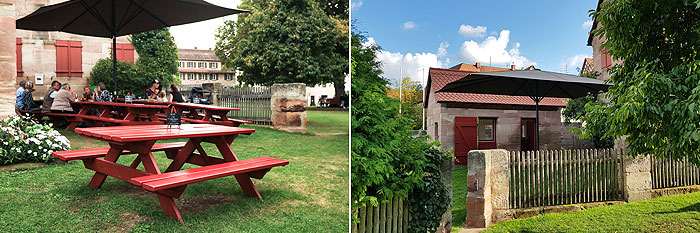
[{"x": 289, "y": 105}]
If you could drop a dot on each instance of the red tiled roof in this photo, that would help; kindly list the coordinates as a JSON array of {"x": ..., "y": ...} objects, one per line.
[{"x": 438, "y": 78}]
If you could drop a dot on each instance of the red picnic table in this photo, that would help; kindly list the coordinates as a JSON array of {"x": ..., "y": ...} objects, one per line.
[
  {"x": 119, "y": 113},
  {"x": 212, "y": 114},
  {"x": 173, "y": 182}
]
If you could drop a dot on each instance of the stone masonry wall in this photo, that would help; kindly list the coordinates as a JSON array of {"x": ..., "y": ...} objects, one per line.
[
  {"x": 7, "y": 58},
  {"x": 289, "y": 107}
]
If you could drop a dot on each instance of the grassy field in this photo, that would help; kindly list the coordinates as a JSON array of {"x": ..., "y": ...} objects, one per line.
[
  {"x": 308, "y": 195},
  {"x": 327, "y": 122},
  {"x": 667, "y": 214},
  {"x": 459, "y": 199}
]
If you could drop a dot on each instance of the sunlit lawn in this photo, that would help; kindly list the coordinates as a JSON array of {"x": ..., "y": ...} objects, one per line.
[{"x": 308, "y": 195}]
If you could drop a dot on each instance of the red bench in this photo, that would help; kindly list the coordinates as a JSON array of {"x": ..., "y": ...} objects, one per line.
[
  {"x": 101, "y": 152},
  {"x": 255, "y": 167},
  {"x": 71, "y": 118}
]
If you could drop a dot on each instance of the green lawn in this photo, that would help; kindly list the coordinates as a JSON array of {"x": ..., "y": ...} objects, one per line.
[
  {"x": 308, "y": 195},
  {"x": 459, "y": 199},
  {"x": 667, "y": 214},
  {"x": 327, "y": 122}
]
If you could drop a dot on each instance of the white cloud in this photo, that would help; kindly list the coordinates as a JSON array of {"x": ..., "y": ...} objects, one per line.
[
  {"x": 201, "y": 34},
  {"x": 588, "y": 24},
  {"x": 468, "y": 30},
  {"x": 409, "y": 25},
  {"x": 442, "y": 51},
  {"x": 355, "y": 4},
  {"x": 412, "y": 64},
  {"x": 573, "y": 64},
  {"x": 494, "y": 50}
]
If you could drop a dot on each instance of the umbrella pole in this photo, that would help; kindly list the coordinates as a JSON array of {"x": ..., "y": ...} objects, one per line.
[
  {"x": 537, "y": 123},
  {"x": 114, "y": 66}
]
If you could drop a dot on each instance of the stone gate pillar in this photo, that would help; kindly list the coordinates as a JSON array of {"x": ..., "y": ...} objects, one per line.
[
  {"x": 288, "y": 103},
  {"x": 8, "y": 68}
]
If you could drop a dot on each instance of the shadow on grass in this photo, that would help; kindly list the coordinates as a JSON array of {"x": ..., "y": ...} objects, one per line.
[{"x": 690, "y": 208}]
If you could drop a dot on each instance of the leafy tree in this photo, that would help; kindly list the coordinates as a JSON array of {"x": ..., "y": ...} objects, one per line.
[
  {"x": 157, "y": 58},
  {"x": 655, "y": 100},
  {"x": 128, "y": 81},
  {"x": 284, "y": 41},
  {"x": 411, "y": 95},
  {"x": 576, "y": 109}
]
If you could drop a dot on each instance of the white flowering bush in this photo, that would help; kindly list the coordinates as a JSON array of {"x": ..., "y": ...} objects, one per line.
[{"x": 25, "y": 140}]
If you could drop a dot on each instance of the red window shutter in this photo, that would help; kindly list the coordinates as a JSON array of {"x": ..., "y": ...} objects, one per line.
[
  {"x": 125, "y": 53},
  {"x": 76, "y": 59},
  {"x": 62, "y": 65},
  {"x": 20, "y": 73}
]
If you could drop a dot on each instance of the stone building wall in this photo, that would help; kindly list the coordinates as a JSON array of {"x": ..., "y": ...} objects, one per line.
[
  {"x": 571, "y": 141},
  {"x": 8, "y": 70}
]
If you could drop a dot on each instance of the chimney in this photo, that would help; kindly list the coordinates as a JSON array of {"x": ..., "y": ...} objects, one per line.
[
  {"x": 478, "y": 65},
  {"x": 512, "y": 67}
]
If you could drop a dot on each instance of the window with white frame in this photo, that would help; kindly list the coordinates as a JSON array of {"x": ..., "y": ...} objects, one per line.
[
  {"x": 190, "y": 76},
  {"x": 202, "y": 65},
  {"x": 182, "y": 76},
  {"x": 228, "y": 77},
  {"x": 213, "y": 77},
  {"x": 202, "y": 76},
  {"x": 190, "y": 64},
  {"x": 213, "y": 65}
]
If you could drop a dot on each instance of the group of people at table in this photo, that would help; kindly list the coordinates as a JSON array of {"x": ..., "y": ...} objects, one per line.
[{"x": 59, "y": 97}]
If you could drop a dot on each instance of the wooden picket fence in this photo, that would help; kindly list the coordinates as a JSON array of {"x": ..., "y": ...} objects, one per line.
[
  {"x": 254, "y": 103},
  {"x": 668, "y": 173},
  {"x": 544, "y": 178},
  {"x": 387, "y": 217}
]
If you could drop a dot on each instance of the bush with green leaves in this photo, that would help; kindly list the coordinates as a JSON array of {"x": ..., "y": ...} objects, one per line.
[
  {"x": 428, "y": 203},
  {"x": 25, "y": 140},
  {"x": 127, "y": 79},
  {"x": 386, "y": 160}
]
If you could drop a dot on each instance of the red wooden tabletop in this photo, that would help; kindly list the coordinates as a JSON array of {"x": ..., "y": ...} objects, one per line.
[
  {"x": 204, "y": 106},
  {"x": 121, "y": 104},
  {"x": 159, "y": 132}
]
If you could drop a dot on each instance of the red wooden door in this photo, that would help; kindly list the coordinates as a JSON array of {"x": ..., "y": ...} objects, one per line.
[
  {"x": 465, "y": 137},
  {"x": 527, "y": 134}
]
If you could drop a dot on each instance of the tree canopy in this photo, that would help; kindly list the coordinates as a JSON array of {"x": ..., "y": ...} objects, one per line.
[
  {"x": 284, "y": 41},
  {"x": 411, "y": 98},
  {"x": 655, "y": 100},
  {"x": 157, "y": 57}
]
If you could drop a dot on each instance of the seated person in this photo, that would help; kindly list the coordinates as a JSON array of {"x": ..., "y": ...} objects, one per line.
[
  {"x": 175, "y": 95},
  {"x": 28, "y": 99},
  {"x": 63, "y": 99},
  {"x": 161, "y": 97},
  {"x": 50, "y": 94},
  {"x": 19, "y": 93},
  {"x": 87, "y": 94},
  {"x": 152, "y": 92},
  {"x": 102, "y": 94}
]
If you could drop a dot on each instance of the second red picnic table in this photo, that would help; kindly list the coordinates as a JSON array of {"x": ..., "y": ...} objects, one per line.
[
  {"x": 212, "y": 114},
  {"x": 119, "y": 113}
]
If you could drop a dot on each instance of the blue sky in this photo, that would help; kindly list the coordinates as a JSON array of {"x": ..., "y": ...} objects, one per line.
[{"x": 550, "y": 34}]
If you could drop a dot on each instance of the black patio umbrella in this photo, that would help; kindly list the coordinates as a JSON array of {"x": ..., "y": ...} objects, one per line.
[
  {"x": 535, "y": 84},
  {"x": 113, "y": 18}
]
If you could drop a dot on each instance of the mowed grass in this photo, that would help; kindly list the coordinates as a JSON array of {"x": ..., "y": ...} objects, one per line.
[
  {"x": 459, "y": 199},
  {"x": 679, "y": 213},
  {"x": 327, "y": 122},
  {"x": 308, "y": 195}
]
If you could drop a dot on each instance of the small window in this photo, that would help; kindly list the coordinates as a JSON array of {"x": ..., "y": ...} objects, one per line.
[
  {"x": 435, "y": 131},
  {"x": 487, "y": 129},
  {"x": 213, "y": 65},
  {"x": 181, "y": 76},
  {"x": 202, "y": 76},
  {"x": 213, "y": 77},
  {"x": 190, "y": 64},
  {"x": 228, "y": 77},
  {"x": 190, "y": 76},
  {"x": 202, "y": 65}
]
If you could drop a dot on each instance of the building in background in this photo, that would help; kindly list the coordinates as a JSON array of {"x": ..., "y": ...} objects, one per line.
[
  {"x": 601, "y": 60},
  {"x": 468, "y": 121},
  {"x": 319, "y": 93},
  {"x": 202, "y": 66}
]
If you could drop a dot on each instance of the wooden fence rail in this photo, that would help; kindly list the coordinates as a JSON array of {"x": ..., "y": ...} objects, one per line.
[
  {"x": 391, "y": 217},
  {"x": 668, "y": 173},
  {"x": 544, "y": 178},
  {"x": 254, "y": 103}
]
